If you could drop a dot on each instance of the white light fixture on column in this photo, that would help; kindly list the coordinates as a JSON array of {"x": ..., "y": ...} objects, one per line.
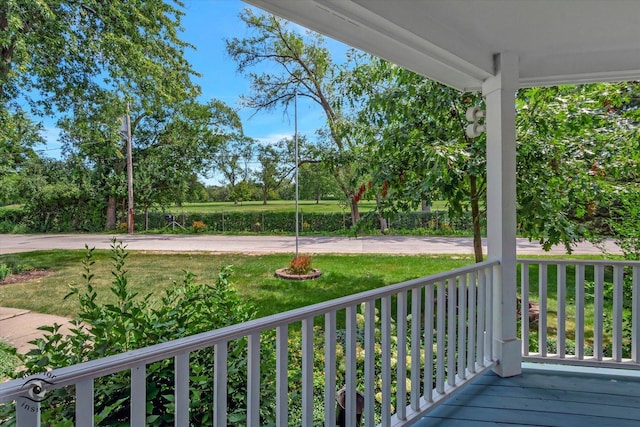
[{"x": 475, "y": 115}]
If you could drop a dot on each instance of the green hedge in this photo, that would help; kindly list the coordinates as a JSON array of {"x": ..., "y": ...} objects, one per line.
[
  {"x": 284, "y": 222},
  {"x": 12, "y": 220},
  {"x": 277, "y": 222}
]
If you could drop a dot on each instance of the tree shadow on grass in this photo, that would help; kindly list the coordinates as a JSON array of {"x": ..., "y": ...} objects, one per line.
[{"x": 279, "y": 295}]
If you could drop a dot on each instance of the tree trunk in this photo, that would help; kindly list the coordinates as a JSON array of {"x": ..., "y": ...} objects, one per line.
[
  {"x": 383, "y": 221},
  {"x": 475, "y": 219},
  {"x": 111, "y": 213},
  {"x": 426, "y": 207},
  {"x": 355, "y": 213}
]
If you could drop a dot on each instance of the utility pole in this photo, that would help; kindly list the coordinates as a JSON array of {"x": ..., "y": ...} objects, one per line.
[
  {"x": 130, "y": 214},
  {"x": 295, "y": 137}
]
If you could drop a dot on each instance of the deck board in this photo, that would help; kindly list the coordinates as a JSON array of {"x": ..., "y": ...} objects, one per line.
[{"x": 538, "y": 398}]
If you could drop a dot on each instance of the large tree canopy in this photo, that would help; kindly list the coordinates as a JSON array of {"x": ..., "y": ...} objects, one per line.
[
  {"x": 296, "y": 64},
  {"x": 577, "y": 157},
  {"x": 60, "y": 50},
  {"x": 417, "y": 148},
  {"x": 18, "y": 136},
  {"x": 577, "y": 147},
  {"x": 89, "y": 63}
]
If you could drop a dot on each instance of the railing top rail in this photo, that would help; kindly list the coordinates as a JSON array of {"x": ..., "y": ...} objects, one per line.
[
  {"x": 120, "y": 362},
  {"x": 566, "y": 261}
]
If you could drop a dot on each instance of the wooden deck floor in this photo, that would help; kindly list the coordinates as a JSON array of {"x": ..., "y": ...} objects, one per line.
[{"x": 543, "y": 398}]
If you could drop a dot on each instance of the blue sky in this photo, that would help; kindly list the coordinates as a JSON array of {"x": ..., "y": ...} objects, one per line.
[{"x": 207, "y": 24}]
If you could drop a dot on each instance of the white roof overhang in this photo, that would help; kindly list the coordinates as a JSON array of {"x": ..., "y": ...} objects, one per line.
[{"x": 455, "y": 41}]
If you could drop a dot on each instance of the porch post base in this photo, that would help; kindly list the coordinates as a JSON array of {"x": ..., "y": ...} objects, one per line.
[{"x": 508, "y": 357}]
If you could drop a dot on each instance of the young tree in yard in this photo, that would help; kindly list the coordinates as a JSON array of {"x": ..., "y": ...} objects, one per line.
[
  {"x": 241, "y": 192},
  {"x": 303, "y": 66},
  {"x": 417, "y": 145}
]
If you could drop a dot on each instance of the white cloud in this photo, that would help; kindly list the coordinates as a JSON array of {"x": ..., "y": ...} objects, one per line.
[
  {"x": 273, "y": 138},
  {"x": 51, "y": 135}
]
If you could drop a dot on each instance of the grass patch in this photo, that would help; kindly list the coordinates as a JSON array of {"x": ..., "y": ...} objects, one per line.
[
  {"x": 254, "y": 279},
  {"x": 253, "y": 276},
  {"x": 551, "y": 280}
]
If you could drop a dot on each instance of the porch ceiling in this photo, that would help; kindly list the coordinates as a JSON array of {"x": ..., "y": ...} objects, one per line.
[{"x": 455, "y": 41}]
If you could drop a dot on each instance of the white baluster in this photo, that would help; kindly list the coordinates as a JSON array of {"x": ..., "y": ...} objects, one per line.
[
  {"x": 253, "y": 380},
  {"x": 580, "y": 311},
  {"x": 542, "y": 301},
  {"x": 181, "y": 393},
  {"x": 85, "y": 403},
  {"x": 330, "y": 368},
  {"x": 562, "y": 312},
  {"x": 138, "y": 396}
]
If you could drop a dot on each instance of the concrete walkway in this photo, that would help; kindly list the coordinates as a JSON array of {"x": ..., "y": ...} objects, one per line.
[{"x": 20, "y": 326}]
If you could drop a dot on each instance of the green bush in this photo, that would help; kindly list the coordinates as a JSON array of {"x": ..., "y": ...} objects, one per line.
[
  {"x": 9, "y": 360},
  {"x": 134, "y": 322},
  {"x": 5, "y": 271}
]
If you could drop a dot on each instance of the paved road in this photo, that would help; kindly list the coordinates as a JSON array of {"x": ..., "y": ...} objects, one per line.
[{"x": 10, "y": 243}]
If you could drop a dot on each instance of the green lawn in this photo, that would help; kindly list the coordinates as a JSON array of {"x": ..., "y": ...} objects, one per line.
[
  {"x": 253, "y": 276},
  {"x": 281, "y": 205},
  {"x": 152, "y": 273}
]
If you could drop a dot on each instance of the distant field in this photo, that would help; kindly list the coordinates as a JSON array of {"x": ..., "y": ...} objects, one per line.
[
  {"x": 280, "y": 205},
  {"x": 273, "y": 205}
]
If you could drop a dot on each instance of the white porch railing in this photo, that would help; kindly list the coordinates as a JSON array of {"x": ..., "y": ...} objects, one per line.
[
  {"x": 588, "y": 315},
  {"x": 407, "y": 347}
]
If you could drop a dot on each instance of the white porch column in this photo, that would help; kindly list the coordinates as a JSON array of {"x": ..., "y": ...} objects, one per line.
[{"x": 499, "y": 93}]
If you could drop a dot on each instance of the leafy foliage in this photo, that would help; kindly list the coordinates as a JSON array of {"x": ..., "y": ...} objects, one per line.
[
  {"x": 133, "y": 322},
  {"x": 416, "y": 144},
  {"x": 9, "y": 360},
  {"x": 62, "y": 50},
  {"x": 5, "y": 271},
  {"x": 18, "y": 135},
  {"x": 625, "y": 222}
]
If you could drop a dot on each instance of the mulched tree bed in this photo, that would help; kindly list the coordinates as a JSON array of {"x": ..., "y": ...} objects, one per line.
[{"x": 25, "y": 276}]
